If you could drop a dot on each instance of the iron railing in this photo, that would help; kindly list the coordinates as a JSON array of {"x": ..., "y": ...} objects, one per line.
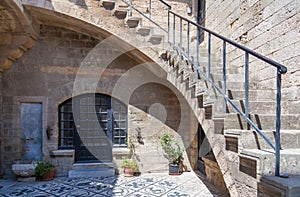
[{"x": 186, "y": 54}]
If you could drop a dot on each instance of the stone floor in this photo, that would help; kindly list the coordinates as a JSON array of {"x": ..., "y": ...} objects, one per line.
[{"x": 146, "y": 185}]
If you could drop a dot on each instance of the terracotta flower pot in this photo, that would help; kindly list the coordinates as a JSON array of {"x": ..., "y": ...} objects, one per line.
[
  {"x": 128, "y": 172},
  {"x": 48, "y": 176}
]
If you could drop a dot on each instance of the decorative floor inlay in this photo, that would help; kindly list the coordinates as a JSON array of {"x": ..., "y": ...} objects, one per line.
[{"x": 148, "y": 185}]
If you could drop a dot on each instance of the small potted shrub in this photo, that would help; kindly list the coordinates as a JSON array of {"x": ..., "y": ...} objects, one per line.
[
  {"x": 130, "y": 167},
  {"x": 173, "y": 153},
  {"x": 45, "y": 171}
]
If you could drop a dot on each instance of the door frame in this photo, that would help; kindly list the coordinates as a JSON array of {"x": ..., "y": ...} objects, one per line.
[{"x": 102, "y": 101}]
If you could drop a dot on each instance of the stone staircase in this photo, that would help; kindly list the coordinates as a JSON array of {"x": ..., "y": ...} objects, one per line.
[
  {"x": 146, "y": 34},
  {"x": 250, "y": 156},
  {"x": 240, "y": 162}
]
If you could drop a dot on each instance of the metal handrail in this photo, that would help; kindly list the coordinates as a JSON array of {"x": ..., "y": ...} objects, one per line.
[
  {"x": 166, "y": 4},
  {"x": 280, "y": 69}
]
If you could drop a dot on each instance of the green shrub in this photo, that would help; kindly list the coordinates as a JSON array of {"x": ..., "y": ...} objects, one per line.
[
  {"x": 43, "y": 168},
  {"x": 172, "y": 149},
  {"x": 132, "y": 163}
]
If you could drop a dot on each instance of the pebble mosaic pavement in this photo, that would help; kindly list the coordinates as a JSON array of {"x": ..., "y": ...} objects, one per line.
[{"x": 146, "y": 185}]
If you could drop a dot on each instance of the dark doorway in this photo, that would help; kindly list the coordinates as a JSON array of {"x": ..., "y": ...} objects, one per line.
[{"x": 92, "y": 124}]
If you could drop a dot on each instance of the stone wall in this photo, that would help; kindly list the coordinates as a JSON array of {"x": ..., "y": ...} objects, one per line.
[
  {"x": 30, "y": 80},
  {"x": 156, "y": 110},
  {"x": 269, "y": 27},
  {"x": 62, "y": 63}
]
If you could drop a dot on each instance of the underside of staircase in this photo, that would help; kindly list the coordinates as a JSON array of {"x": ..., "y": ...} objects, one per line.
[{"x": 241, "y": 154}]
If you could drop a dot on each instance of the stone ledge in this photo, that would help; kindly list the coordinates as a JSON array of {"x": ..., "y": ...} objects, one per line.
[
  {"x": 271, "y": 185},
  {"x": 62, "y": 153},
  {"x": 121, "y": 151}
]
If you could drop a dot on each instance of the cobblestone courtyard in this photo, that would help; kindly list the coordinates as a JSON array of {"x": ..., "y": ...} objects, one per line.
[{"x": 146, "y": 185}]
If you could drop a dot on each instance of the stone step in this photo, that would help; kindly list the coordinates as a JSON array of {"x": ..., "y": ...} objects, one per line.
[
  {"x": 201, "y": 53},
  {"x": 173, "y": 58},
  {"x": 108, "y": 4},
  {"x": 218, "y": 109},
  {"x": 133, "y": 22},
  {"x": 265, "y": 121},
  {"x": 240, "y": 85},
  {"x": 182, "y": 66},
  {"x": 215, "y": 77},
  {"x": 248, "y": 139},
  {"x": 120, "y": 12},
  {"x": 93, "y": 172},
  {"x": 201, "y": 87},
  {"x": 255, "y": 107},
  {"x": 216, "y": 66},
  {"x": 82, "y": 166},
  {"x": 270, "y": 185},
  {"x": 202, "y": 58},
  {"x": 191, "y": 79},
  {"x": 254, "y": 95},
  {"x": 144, "y": 30},
  {"x": 122, "y": 4},
  {"x": 156, "y": 39},
  {"x": 258, "y": 163}
]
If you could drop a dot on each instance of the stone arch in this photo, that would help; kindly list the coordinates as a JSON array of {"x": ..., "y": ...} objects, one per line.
[
  {"x": 81, "y": 17},
  {"x": 141, "y": 56}
]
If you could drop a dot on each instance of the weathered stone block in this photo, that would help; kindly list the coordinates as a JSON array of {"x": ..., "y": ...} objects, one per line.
[
  {"x": 270, "y": 186},
  {"x": 24, "y": 170},
  {"x": 248, "y": 166}
]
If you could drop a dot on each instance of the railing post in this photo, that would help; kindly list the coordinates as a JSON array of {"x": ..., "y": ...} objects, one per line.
[
  {"x": 150, "y": 9},
  {"x": 188, "y": 39},
  {"x": 197, "y": 51},
  {"x": 246, "y": 84},
  {"x": 224, "y": 74},
  {"x": 130, "y": 8},
  {"x": 278, "y": 111},
  {"x": 180, "y": 34},
  {"x": 174, "y": 29},
  {"x": 169, "y": 25},
  {"x": 209, "y": 55}
]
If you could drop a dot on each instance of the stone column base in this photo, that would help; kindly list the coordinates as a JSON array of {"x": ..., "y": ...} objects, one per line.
[{"x": 272, "y": 186}]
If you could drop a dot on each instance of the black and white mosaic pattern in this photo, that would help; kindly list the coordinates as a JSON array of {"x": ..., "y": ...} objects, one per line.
[{"x": 144, "y": 186}]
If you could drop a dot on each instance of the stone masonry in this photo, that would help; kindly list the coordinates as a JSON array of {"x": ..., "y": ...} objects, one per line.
[
  {"x": 49, "y": 79},
  {"x": 270, "y": 27}
]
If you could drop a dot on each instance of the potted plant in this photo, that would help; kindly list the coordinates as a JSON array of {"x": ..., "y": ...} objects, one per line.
[
  {"x": 130, "y": 167},
  {"x": 173, "y": 153},
  {"x": 45, "y": 171}
]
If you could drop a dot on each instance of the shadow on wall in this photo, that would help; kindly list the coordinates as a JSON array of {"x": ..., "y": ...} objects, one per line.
[
  {"x": 199, "y": 11},
  {"x": 159, "y": 101}
]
